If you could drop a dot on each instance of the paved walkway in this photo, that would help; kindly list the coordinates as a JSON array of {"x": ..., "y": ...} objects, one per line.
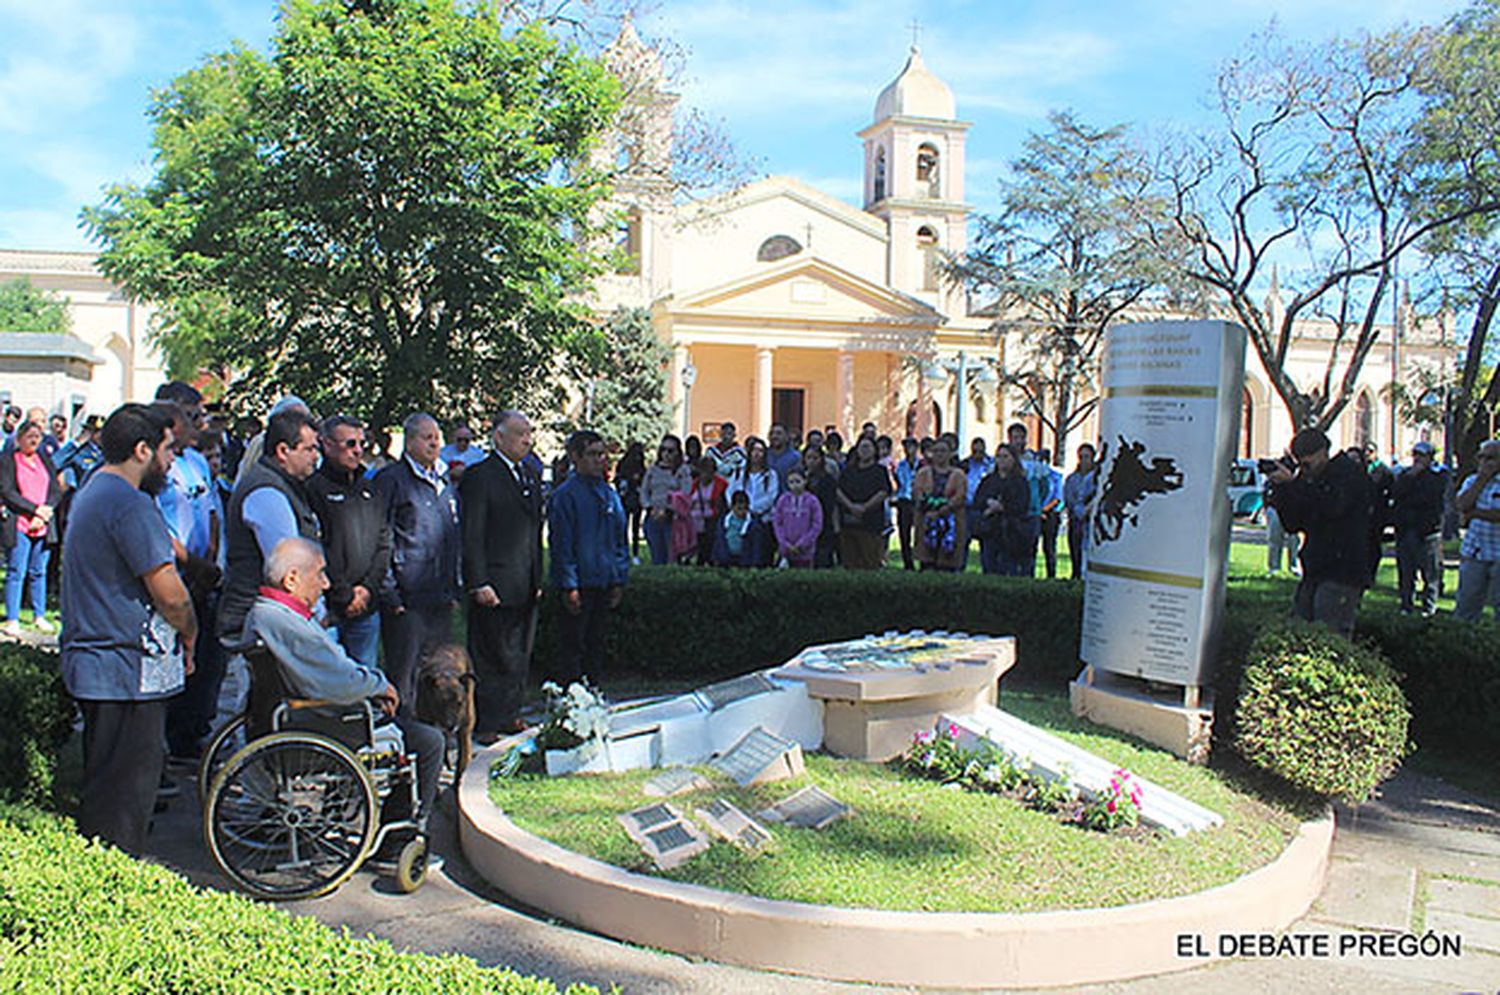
[{"x": 1425, "y": 856}]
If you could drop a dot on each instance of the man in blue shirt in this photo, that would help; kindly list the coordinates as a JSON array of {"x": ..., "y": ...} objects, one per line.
[
  {"x": 781, "y": 457},
  {"x": 1051, "y": 519},
  {"x": 1078, "y": 494},
  {"x": 1479, "y": 556},
  {"x": 128, "y": 626},
  {"x": 590, "y": 557}
]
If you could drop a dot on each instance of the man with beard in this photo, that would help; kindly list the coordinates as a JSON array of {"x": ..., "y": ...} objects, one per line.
[{"x": 128, "y": 626}]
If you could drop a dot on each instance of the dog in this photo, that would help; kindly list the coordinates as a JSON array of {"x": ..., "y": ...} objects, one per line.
[{"x": 445, "y": 696}]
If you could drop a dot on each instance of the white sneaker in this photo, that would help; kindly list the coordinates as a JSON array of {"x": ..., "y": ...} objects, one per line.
[
  {"x": 12, "y": 628},
  {"x": 41, "y": 624}
]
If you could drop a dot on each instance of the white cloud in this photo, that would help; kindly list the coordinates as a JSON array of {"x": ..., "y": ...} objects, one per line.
[
  {"x": 62, "y": 57},
  {"x": 41, "y": 228}
]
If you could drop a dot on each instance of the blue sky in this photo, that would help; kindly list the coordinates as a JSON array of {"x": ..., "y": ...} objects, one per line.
[{"x": 792, "y": 82}]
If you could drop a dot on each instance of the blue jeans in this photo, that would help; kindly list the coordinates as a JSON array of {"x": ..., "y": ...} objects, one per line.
[
  {"x": 27, "y": 562},
  {"x": 659, "y": 538},
  {"x": 360, "y": 638}
]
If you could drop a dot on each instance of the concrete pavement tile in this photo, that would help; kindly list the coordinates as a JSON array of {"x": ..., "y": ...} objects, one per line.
[
  {"x": 1434, "y": 861},
  {"x": 1481, "y": 934},
  {"x": 1426, "y": 837},
  {"x": 1465, "y": 897},
  {"x": 1369, "y": 896}
]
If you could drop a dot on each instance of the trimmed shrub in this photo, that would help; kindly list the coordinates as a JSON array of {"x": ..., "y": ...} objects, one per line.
[
  {"x": 77, "y": 916},
  {"x": 681, "y": 622},
  {"x": 38, "y": 720},
  {"x": 1320, "y": 712},
  {"x": 1450, "y": 671}
]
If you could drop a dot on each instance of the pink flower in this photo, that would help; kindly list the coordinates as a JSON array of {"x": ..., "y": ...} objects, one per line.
[
  {"x": 1109, "y": 806},
  {"x": 953, "y": 730}
]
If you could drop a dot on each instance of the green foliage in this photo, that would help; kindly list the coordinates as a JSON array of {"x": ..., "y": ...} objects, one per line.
[
  {"x": 1320, "y": 712},
  {"x": 1068, "y": 252},
  {"x": 24, "y": 308},
  {"x": 389, "y": 212},
  {"x": 627, "y": 366},
  {"x": 695, "y": 622},
  {"x": 1450, "y": 672},
  {"x": 39, "y": 719},
  {"x": 1117, "y": 807},
  {"x": 77, "y": 916}
]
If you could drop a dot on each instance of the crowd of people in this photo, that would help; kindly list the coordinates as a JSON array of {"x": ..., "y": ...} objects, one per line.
[
  {"x": 771, "y": 502},
  {"x": 353, "y": 564}
]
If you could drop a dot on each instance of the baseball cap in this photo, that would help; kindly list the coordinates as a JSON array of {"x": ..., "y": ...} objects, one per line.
[{"x": 1425, "y": 448}]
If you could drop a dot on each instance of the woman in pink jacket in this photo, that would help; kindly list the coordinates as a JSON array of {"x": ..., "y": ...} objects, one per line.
[{"x": 797, "y": 520}]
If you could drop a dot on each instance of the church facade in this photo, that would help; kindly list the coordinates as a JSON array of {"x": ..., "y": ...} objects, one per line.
[{"x": 782, "y": 304}]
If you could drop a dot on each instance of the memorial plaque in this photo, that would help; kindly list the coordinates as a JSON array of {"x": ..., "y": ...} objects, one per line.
[
  {"x": 716, "y": 696},
  {"x": 728, "y": 823},
  {"x": 664, "y": 835},
  {"x": 810, "y": 808},
  {"x": 675, "y": 781},
  {"x": 759, "y": 757},
  {"x": 1159, "y": 524}
]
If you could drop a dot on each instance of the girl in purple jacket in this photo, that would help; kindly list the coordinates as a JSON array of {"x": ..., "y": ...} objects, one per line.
[{"x": 797, "y": 520}]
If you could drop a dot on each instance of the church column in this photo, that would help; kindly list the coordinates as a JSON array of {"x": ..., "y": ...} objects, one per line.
[
  {"x": 844, "y": 399},
  {"x": 677, "y": 391},
  {"x": 760, "y": 414}
]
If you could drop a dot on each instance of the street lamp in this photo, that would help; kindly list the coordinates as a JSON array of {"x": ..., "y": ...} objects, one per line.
[{"x": 689, "y": 377}]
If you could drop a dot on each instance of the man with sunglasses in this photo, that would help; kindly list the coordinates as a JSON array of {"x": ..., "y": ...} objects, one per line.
[
  {"x": 356, "y": 537},
  {"x": 1479, "y": 557}
]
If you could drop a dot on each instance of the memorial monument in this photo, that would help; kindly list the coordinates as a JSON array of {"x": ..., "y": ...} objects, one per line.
[{"x": 1159, "y": 533}]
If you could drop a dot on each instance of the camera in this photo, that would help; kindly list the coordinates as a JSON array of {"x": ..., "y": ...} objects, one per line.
[{"x": 1268, "y": 466}]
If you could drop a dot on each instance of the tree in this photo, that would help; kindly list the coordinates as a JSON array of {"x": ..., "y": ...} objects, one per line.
[
  {"x": 25, "y": 308},
  {"x": 622, "y": 375},
  {"x": 388, "y": 213},
  {"x": 1065, "y": 256},
  {"x": 1457, "y": 132},
  {"x": 1319, "y": 151}
]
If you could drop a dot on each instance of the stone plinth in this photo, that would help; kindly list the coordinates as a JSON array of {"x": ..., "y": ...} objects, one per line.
[
  {"x": 872, "y": 714},
  {"x": 1125, "y": 704}
]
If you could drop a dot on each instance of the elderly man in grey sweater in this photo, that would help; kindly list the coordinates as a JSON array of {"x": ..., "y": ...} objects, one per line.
[{"x": 314, "y": 665}]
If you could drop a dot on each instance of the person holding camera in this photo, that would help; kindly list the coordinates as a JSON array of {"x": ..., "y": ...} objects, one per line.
[{"x": 1327, "y": 499}]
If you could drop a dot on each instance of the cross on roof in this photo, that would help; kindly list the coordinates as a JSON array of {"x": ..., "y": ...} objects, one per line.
[{"x": 916, "y": 32}]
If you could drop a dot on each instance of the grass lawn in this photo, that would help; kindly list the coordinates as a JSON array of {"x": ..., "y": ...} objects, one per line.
[{"x": 917, "y": 845}]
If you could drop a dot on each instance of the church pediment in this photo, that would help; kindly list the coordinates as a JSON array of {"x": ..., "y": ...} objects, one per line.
[{"x": 808, "y": 290}]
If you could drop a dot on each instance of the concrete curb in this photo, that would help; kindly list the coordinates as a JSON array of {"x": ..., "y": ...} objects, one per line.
[{"x": 956, "y": 950}]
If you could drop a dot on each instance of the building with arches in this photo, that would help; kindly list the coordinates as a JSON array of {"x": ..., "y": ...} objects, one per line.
[
  {"x": 104, "y": 360},
  {"x": 785, "y": 305}
]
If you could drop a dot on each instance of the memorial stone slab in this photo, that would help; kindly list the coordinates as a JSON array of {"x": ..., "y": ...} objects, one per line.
[
  {"x": 730, "y": 824},
  {"x": 810, "y": 808},
  {"x": 675, "y": 781},
  {"x": 760, "y": 757},
  {"x": 664, "y": 835}
]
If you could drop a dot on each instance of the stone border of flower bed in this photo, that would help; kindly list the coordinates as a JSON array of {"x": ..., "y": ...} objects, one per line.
[{"x": 942, "y": 949}]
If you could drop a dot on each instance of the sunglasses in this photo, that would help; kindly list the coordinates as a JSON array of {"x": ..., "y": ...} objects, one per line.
[{"x": 353, "y": 443}]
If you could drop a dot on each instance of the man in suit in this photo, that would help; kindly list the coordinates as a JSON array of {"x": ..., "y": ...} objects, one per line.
[{"x": 502, "y": 568}]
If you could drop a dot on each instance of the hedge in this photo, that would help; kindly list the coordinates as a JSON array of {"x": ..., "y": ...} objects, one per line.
[
  {"x": 38, "y": 721},
  {"x": 1320, "y": 712},
  {"x": 696, "y": 623},
  {"x": 77, "y": 916}
]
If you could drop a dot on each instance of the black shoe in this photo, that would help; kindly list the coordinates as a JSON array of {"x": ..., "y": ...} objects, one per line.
[{"x": 168, "y": 788}]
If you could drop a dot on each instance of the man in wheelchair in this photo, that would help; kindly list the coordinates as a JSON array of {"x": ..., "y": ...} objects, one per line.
[{"x": 314, "y": 665}]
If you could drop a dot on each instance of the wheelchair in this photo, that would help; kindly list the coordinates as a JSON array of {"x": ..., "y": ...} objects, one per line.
[{"x": 297, "y": 794}]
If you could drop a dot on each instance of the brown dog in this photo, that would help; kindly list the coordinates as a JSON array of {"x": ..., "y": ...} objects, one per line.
[{"x": 445, "y": 696}]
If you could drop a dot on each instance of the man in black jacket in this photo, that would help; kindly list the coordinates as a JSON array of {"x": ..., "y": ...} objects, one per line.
[
  {"x": 421, "y": 588},
  {"x": 1328, "y": 501},
  {"x": 502, "y": 565},
  {"x": 356, "y": 538},
  {"x": 1418, "y": 495}
]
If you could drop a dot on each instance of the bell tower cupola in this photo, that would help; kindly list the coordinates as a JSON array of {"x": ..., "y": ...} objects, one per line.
[{"x": 914, "y": 181}]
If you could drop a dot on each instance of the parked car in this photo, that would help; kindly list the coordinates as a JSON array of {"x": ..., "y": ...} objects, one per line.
[{"x": 1247, "y": 495}]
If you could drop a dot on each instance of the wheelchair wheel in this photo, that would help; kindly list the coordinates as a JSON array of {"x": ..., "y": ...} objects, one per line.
[
  {"x": 291, "y": 815},
  {"x": 411, "y": 865},
  {"x": 226, "y": 741}
]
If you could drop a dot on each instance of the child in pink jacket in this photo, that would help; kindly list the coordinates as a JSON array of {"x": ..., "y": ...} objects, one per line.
[{"x": 797, "y": 519}]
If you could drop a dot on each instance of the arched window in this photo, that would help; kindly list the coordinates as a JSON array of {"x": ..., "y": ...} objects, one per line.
[
  {"x": 927, "y": 244},
  {"x": 879, "y": 186},
  {"x": 777, "y": 247},
  {"x": 1364, "y": 419},
  {"x": 927, "y": 171}
]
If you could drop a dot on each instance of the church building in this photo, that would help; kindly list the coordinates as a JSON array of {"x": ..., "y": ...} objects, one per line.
[{"x": 784, "y": 305}]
